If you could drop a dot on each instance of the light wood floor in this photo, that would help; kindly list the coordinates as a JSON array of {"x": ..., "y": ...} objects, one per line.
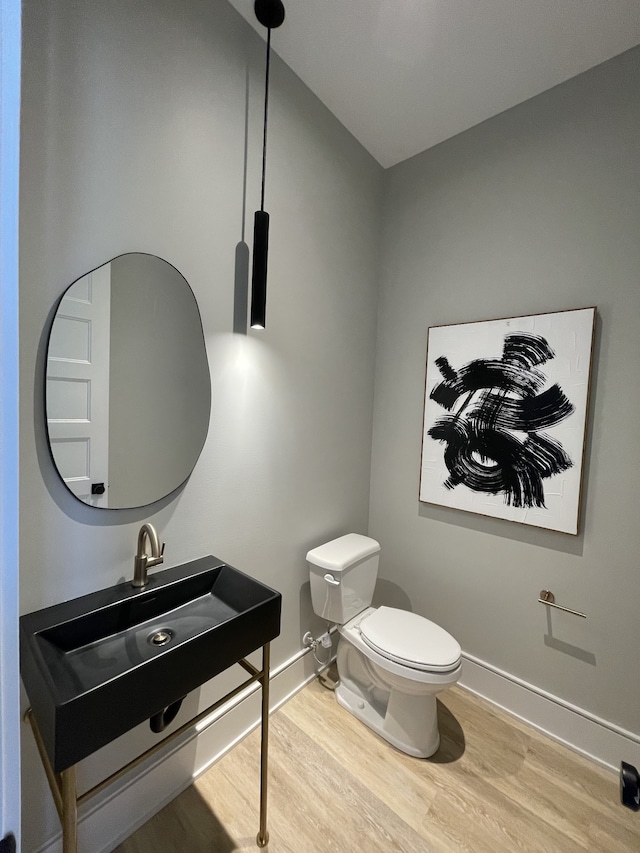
[{"x": 494, "y": 785}]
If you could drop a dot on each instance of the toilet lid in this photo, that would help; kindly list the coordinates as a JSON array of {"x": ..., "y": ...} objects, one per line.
[{"x": 410, "y": 639}]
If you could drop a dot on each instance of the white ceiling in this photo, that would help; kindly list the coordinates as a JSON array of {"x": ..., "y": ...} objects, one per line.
[{"x": 403, "y": 75}]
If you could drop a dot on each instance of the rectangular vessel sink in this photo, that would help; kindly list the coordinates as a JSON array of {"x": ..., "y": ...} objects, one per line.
[{"x": 96, "y": 666}]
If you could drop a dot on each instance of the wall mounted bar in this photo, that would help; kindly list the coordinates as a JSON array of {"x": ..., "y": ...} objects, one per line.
[{"x": 548, "y": 598}]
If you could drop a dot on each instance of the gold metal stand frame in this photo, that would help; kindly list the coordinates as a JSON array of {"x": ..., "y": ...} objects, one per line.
[{"x": 64, "y": 787}]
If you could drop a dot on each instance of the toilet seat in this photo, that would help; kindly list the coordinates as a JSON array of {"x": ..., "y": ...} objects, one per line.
[{"x": 410, "y": 640}]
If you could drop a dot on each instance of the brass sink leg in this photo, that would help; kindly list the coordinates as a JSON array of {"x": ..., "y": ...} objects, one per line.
[
  {"x": 69, "y": 810},
  {"x": 263, "y": 836},
  {"x": 52, "y": 778},
  {"x": 63, "y": 788}
]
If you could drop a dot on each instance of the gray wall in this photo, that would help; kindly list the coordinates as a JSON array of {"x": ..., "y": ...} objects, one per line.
[
  {"x": 133, "y": 139},
  {"x": 535, "y": 210}
]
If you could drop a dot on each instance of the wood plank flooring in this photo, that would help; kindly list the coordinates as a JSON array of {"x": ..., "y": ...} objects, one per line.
[{"x": 494, "y": 786}]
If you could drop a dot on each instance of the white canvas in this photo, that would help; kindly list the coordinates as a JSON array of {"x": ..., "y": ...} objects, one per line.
[{"x": 504, "y": 423}]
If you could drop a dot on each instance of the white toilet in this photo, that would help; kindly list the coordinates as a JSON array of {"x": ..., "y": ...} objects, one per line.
[{"x": 391, "y": 663}]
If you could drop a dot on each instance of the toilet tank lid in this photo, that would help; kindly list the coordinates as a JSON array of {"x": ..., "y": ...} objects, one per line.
[{"x": 343, "y": 552}]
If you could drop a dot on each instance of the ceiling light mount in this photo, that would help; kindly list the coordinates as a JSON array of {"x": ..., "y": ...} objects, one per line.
[{"x": 270, "y": 13}]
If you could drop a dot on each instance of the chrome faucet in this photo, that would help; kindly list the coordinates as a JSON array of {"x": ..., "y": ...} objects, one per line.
[{"x": 142, "y": 561}]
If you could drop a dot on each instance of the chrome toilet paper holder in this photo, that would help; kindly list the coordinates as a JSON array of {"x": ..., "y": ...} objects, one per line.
[{"x": 548, "y": 598}]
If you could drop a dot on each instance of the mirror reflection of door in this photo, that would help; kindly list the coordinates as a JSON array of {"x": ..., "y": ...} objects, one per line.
[
  {"x": 78, "y": 387},
  {"x": 128, "y": 393}
]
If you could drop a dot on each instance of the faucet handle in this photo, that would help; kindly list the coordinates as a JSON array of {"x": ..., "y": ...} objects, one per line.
[{"x": 155, "y": 561}]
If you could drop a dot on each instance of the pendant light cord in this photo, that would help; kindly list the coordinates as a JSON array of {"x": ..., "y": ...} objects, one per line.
[{"x": 266, "y": 110}]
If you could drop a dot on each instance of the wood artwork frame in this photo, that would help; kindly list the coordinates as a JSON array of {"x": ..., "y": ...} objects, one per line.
[{"x": 505, "y": 416}]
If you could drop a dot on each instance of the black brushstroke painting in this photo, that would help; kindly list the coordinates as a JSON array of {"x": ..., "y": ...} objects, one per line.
[{"x": 490, "y": 401}]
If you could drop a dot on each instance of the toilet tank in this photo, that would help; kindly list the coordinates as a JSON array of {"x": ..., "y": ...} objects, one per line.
[{"x": 343, "y": 576}]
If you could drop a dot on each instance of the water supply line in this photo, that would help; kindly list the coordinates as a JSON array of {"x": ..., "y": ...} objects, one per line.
[{"x": 324, "y": 640}]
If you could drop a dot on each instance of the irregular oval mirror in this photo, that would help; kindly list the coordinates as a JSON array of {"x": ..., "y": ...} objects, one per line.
[{"x": 128, "y": 393}]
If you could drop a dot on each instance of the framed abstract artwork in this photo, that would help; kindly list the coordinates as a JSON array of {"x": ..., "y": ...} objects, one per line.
[{"x": 505, "y": 415}]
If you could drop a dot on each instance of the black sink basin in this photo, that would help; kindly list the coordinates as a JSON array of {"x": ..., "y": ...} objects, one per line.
[{"x": 96, "y": 666}]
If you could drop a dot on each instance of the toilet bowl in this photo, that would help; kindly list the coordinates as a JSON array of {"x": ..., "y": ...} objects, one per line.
[
  {"x": 393, "y": 696},
  {"x": 391, "y": 662}
]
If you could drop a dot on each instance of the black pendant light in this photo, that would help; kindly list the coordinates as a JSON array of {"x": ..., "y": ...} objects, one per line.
[{"x": 270, "y": 13}]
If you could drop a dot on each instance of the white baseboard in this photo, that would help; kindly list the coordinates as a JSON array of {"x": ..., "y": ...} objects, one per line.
[
  {"x": 595, "y": 738},
  {"x": 124, "y": 807}
]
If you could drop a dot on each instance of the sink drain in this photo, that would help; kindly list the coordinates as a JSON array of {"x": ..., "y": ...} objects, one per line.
[{"x": 160, "y": 638}]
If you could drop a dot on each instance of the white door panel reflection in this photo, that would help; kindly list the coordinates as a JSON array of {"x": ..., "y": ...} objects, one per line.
[{"x": 78, "y": 387}]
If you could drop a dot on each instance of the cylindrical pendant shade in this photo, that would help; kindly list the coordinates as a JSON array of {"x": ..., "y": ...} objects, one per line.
[{"x": 259, "y": 275}]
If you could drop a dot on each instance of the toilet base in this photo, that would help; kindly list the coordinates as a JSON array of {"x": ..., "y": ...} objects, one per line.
[{"x": 410, "y": 723}]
